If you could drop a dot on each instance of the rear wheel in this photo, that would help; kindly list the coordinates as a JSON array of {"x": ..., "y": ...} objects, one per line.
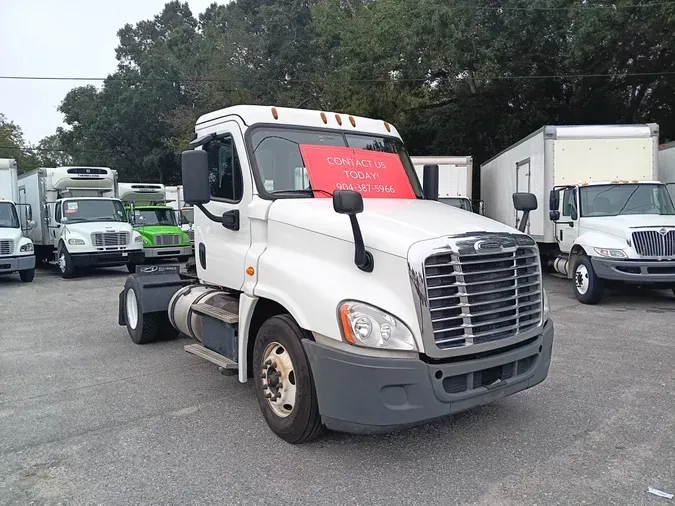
[
  {"x": 142, "y": 328},
  {"x": 283, "y": 381},
  {"x": 588, "y": 287},
  {"x": 27, "y": 275}
]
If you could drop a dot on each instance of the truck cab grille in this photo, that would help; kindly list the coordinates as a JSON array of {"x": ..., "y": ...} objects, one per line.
[
  {"x": 652, "y": 243},
  {"x": 103, "y": 239},
  {"x": 168, "y": 240},
  {"x": 477, "y": 298},
  {"x": 6, "y": 247}
]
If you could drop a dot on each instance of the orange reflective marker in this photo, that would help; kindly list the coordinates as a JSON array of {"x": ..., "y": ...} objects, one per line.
[{"x": 250, "y": 271}]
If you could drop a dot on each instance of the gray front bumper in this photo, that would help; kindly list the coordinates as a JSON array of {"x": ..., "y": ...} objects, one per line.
[
  {"x": 17, "y": 263},
  {"x": 168, "y": 251},
  {"x": 636, "y": 271},
  {"x": 363, "y": 394}
]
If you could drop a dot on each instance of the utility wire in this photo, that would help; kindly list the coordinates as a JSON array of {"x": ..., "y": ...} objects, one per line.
[{"x": 392, "y": 80}]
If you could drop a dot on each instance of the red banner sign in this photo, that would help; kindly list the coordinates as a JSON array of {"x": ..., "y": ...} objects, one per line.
[{"x": 373, "y": 174}]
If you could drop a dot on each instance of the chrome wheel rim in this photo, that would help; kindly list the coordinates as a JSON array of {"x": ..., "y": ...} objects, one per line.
[
  {"x": 278, "y": 379},
  {"x": 132, "y": 308},
  {"x": 62, "y": 262}
]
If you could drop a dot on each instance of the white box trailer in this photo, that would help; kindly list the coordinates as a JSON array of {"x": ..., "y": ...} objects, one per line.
[
  {"x": 455, "y": 177},
  {"x": 603, "y": 215},
  {"x": 666, "y": 164}
]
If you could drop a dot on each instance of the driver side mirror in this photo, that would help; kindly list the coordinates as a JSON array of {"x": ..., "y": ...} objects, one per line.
[
  {"x": 573, "y": 213},
  {"x": 195, "y": 168},
  {"x": 553, "y": 204},
  {"x": 31, "y": 225},
  {"x": 347, "y": 202}
]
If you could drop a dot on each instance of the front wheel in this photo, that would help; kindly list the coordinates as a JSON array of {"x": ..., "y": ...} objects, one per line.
[
  {"x": 27, "y": 275},
  {"x": 588, "y": 287},
  {"x": 283, "y": 381},
  {"x": 66, "y": 264}
]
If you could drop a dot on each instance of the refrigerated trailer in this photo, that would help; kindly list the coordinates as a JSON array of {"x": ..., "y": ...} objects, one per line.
[
  {"x": 16, "y": 250},
  {"x": 80, "y": 222},
  {"x": 455, "y": 178},
  {"x": 607, "y": 217}
]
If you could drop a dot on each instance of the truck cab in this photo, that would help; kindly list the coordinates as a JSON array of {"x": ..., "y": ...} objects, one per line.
[
  {"x": 614, "y": 231},
  {"x": 16, "y": 251},
  {"x": 328, "y": 274},
  {"x": 151, "y": 217}
]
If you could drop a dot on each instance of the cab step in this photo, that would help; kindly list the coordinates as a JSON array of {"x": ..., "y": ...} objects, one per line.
[
  {"x": 223, "y": 315},
  {"x": 210, "y": 355}
]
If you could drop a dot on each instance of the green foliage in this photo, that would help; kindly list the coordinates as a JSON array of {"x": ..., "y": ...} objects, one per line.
[
  {"x": 447, "y": 73},
  {"x": 13, "y": 145}
]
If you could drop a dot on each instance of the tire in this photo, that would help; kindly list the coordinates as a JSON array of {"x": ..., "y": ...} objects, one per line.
[
  {"x": 65, "y": 262},
  {"x": 588, "y": 287},
  {"x": 183, "y": 259},
  {"x": 302, "y": 422},
  {"x": 142, "y": 328},
  {"x": 27, "y": 275}
]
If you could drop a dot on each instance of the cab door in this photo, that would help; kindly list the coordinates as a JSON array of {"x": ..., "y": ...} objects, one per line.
[
  {"x": 222, "y": 262},
  {"x": 567, "y": 227}
]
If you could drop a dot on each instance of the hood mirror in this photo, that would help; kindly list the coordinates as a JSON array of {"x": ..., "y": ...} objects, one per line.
[{"x": 351, "y": 203}]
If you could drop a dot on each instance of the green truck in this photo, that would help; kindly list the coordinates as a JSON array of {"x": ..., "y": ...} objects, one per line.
[{"x": 163, "y": 237}]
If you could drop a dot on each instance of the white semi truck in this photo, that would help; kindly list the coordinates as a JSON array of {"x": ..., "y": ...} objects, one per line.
[
  {"x": 16, "y": 251},
  {"x": 80, "y": 221},
  {"x": 455, "y": 179},
  {"x": 359, "y": 310},
  {"x": 608, "y": 218}
]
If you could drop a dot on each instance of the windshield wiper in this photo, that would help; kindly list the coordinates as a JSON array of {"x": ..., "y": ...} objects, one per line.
[{"x": 302, "y": 191}]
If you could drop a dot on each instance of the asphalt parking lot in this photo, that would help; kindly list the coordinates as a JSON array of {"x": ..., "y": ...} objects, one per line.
[{"x": 88, "y": 417}]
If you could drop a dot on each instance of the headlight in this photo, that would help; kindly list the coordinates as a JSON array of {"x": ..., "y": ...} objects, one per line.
[
  {"x": 27, "y": 247},
  {"x": 610, "y": 253},
  {"x": 138, "y": 238},
  {"x": 547, "y": 307},
  {"x": 364, "y": 325},
  {"x": 76, "y": 242}
]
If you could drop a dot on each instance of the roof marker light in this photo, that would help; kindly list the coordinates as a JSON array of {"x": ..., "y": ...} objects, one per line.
[{"x": 275, "y": 114}]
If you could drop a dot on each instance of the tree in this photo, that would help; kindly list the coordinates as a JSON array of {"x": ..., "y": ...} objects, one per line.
[{"x": 13, "y": 145}]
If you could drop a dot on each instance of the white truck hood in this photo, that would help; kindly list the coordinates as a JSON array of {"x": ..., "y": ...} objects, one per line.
[
  {"x": 624, "y": 226},
  {"x": 98, "y": 226},
  {"x": 387, "y": 225}
]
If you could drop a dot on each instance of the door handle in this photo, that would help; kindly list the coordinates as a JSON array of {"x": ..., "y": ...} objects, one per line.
[{"x": 231, "y": 219}]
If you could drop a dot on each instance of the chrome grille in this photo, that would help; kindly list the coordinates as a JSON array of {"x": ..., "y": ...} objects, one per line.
[
  {"x": 6, "y": 247},
  {"x": 191, "y": 235},
  {"x": 167, "y": 240},
  {"x": 477, "y": 298},
  {"x": 652, "y": 243},
  {"x": 102, "y": 239}
]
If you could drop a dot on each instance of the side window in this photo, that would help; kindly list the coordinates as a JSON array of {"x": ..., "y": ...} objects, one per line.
[
  {"x": 225, "y": 177},
  {"x": 568, "y": 202},
  {"x": 57, "y": 213}
]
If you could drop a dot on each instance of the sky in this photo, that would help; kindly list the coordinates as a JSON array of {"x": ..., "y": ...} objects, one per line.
[{"x": 60, "y": 38}]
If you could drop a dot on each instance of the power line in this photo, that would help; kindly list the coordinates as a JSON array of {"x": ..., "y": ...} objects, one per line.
[
  {"x": 580, "y": 7},
  {"x": 392, "y": 80}
]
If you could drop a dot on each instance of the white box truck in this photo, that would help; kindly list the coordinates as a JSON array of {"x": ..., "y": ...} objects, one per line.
[
  {"x": 361, "y": 310},
  {"x": 607, "y": 218},
  {"x": 455, "y": 179},
  {"x": 184, "y": 212},
  {"x": 80, "y": 221},
  {"x": 16, "y": 251}
]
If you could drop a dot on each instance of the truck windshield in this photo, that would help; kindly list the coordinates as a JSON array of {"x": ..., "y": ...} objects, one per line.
[
  {"x": 78, "y": 211},
  {"x": 279, "y": 162},
  {"x": 8, "y": 217},
  {"x": 623, "y": 199},
  {"x": 150, "y": 217},
  {"x": 457, "y": 202}
]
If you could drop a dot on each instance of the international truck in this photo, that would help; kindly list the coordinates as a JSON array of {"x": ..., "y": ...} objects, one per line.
[
  {"x": 156, "y": 221},
  {"x": 608, "y": 219},
  {"x": 328, "y": 274},
  {"x": 80, "y": 221},
  {"x": 16, "y": 250},
  {"x": 455, "y": 180}
]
